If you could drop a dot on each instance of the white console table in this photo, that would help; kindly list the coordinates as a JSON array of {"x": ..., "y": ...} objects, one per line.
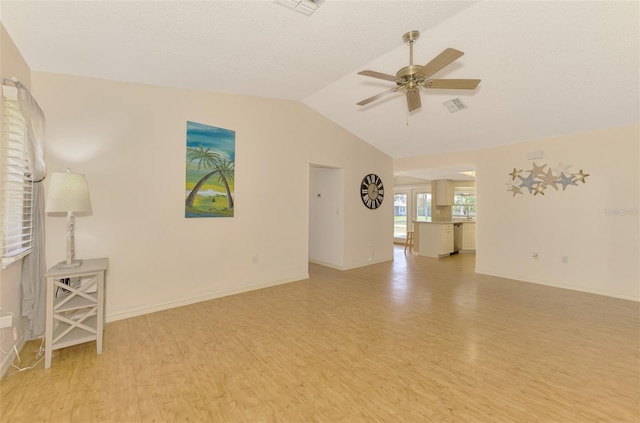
[{"x": 75, "y": 305}]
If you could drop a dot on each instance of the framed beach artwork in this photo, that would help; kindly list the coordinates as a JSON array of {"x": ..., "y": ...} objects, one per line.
[{"x": 210, "y": 172}]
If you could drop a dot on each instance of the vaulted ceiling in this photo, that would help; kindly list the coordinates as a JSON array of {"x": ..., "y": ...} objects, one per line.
[{"x": 547, "y": 67}]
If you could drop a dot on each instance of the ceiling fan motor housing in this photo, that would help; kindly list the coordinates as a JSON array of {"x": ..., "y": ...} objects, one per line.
[{"x": 410, "y": 73}]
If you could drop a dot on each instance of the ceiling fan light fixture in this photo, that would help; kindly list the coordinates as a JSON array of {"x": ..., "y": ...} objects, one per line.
[
  {"x": 454, "y": 105},
  {"x": 303, "y": 6}
]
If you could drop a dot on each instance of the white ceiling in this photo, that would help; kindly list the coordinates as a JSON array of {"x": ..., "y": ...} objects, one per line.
[{"x": 547, "y": 67}]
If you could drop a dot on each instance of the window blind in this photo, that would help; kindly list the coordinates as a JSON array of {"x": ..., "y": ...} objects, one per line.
[{"x": 17, "y": 187}]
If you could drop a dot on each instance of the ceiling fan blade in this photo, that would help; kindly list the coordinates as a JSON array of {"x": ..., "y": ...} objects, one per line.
[
  {"x": 378, "y": 75},
  {"x": 413, "y": 100},
  {"x": 377, "y": 96},
  {"x": 456, "y": 84},
  {"x": 440, "y": 61}
]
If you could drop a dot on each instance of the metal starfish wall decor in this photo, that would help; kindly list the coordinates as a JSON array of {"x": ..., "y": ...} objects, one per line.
[{"x": 538, "y": 179}]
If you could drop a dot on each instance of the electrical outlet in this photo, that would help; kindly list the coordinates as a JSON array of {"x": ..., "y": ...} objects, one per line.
[
  {"x": 6, "y": 321},
  {"x": 534, "y": 255}
]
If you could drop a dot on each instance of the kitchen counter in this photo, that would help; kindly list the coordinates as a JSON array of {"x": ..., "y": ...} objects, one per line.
[
  {"x": 440, "y": 239},
  {"x": 433, "y": 239},
  {"x": 446, "y": 221}
]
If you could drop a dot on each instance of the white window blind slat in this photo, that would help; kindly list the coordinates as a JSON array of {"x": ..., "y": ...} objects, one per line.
[
  {"x": 20, "y": 244},
  {"x": 16, "y": 190},
  {"x": 12, "y": 238}
]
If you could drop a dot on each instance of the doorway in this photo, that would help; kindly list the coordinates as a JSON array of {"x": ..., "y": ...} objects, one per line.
[
  {"x": 413, "y": 198},
  {"x": 410, "y": 205},
  {"x": 326, "y": 217}
]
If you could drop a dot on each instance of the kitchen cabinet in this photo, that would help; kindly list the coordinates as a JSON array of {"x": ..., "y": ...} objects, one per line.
[
  {"x": 434, "y": 239},
  {"x": 444, "y": 192},
  {"x": 465, "y": 237},
  {"x": 468, "y": 237}
]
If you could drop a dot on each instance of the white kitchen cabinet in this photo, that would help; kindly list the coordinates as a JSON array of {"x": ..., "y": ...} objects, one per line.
[
  {"x": 444, "y": 192},
  {"x": 468, "y": 237},
  {"x": 464, "y": 237},
  {"x": 447, "y": 239},
  {"x": 434, "y": 239}
]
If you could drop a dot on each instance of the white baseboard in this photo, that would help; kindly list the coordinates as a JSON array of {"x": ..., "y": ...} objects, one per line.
[
  {"x": 354, "y": 266},
  {"x": 126, "y": 314},
  {"x": 11, "y": 354},
  {"x": 325, "y": 264},
  {"x": 560, "y": 285}
]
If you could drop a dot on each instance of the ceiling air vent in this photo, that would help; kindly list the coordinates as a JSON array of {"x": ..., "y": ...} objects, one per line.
[
  {"x": 303, "y": 6},
  {"x": 454, "y": 105}
]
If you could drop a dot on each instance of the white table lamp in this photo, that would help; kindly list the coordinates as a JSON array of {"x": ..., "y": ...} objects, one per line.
[{"x": 68, "y": 193}]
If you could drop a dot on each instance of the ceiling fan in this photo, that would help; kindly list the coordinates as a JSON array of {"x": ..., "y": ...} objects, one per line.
[{"x": 412, "y": 77}]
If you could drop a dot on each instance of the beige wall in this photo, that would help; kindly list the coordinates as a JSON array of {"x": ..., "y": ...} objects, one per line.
[
  {"x": 129, "y": 140},
  {"x": 12, "y": 64},
  {"x": 595, "y": 225}
]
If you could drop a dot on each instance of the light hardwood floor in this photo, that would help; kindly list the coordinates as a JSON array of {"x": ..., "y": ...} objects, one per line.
[{"x": 416, "y": 340}]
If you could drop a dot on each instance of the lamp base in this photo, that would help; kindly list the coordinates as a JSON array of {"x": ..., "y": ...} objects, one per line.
[{"x": 67, "y": 265}]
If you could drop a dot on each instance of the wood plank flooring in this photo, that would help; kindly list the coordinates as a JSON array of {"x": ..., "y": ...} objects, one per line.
[{"x": 413, "y": 340}]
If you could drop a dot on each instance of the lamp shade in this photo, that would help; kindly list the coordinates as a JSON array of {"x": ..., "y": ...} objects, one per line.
[{"x": 68, "y": 192}]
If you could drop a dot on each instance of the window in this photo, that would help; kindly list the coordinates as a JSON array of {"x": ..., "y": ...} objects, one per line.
[
  {"x": 16, "y": 194},
  {"x": 464, "y": 205}
]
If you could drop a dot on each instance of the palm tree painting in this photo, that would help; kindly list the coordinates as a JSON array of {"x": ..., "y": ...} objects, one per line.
[{"x": 210, "y": 171}]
